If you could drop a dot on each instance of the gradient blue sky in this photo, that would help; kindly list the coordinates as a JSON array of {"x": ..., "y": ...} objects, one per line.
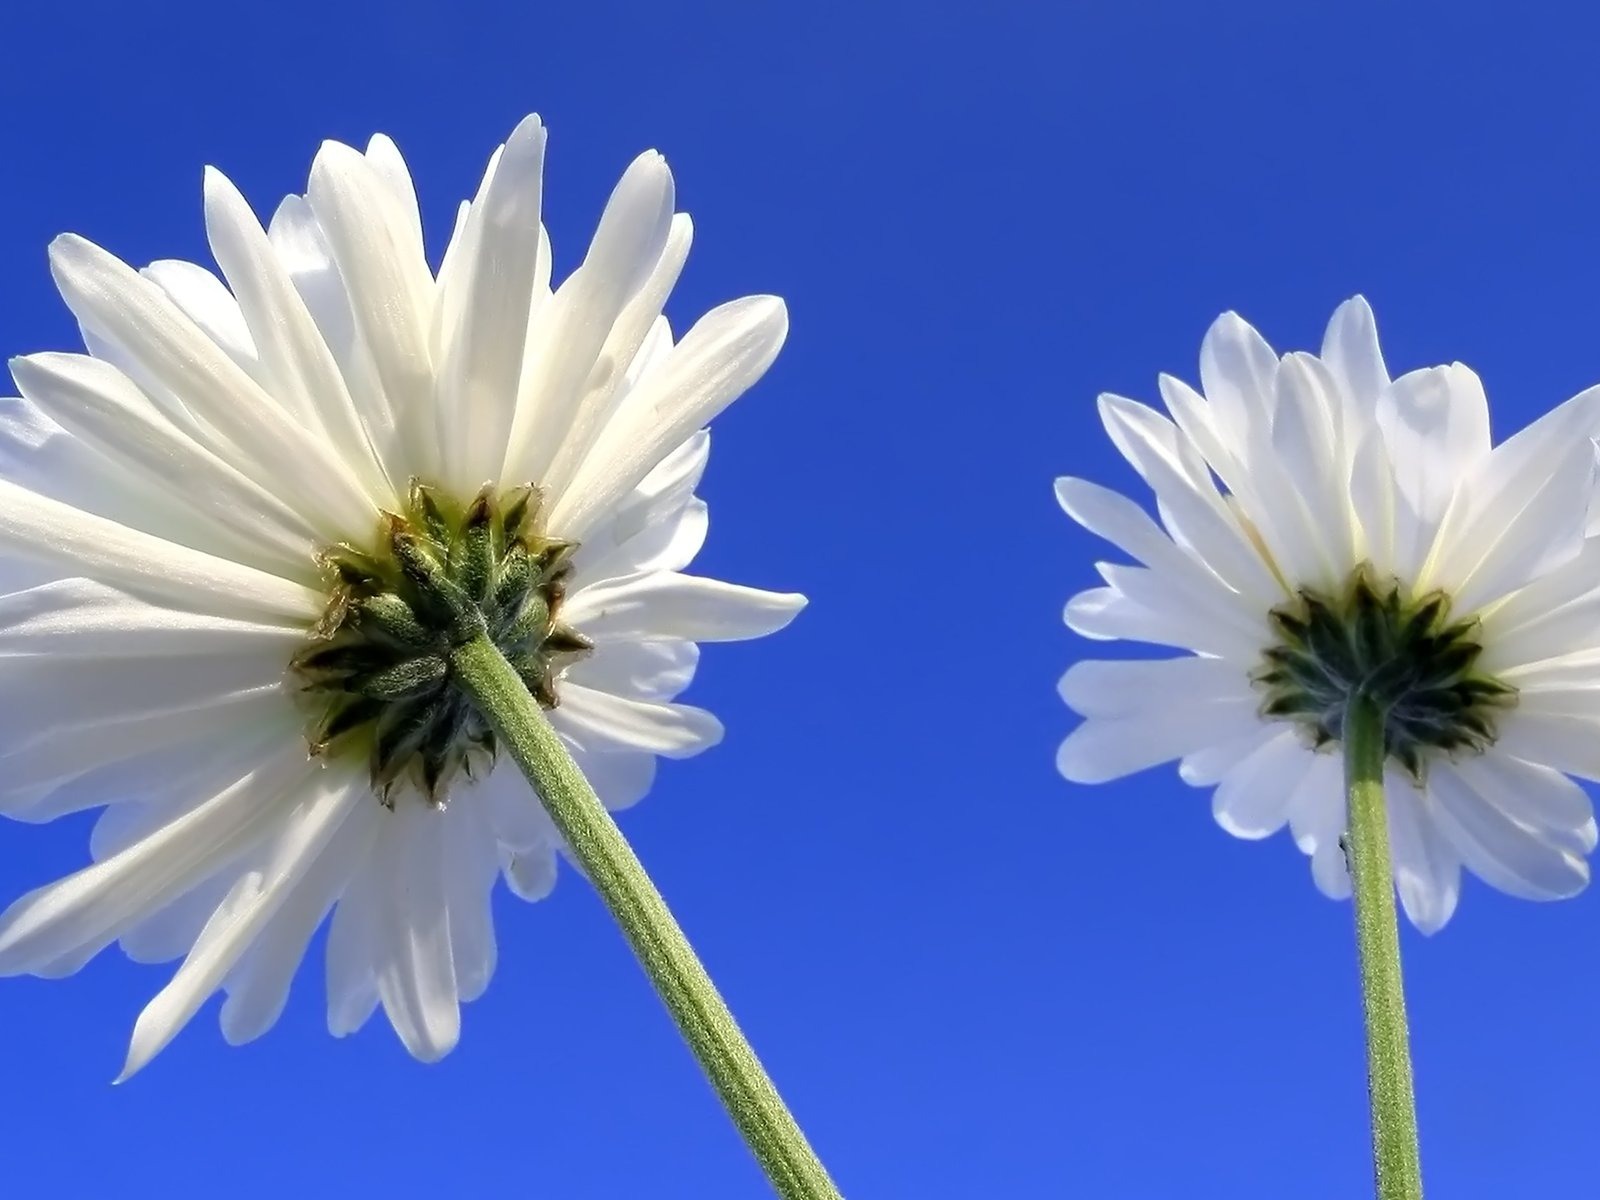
[{"x": 971, "y": 979}]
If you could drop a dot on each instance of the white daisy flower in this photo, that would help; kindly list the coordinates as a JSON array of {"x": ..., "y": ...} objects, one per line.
[
  {"x": 1322, "y": 526},
  {"x": 227, "y": 529}
]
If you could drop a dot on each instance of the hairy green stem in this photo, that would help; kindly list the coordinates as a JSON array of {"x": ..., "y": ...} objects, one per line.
[
  {"x": 663, "y": 951},
  {"x": 1366, "y": 845}
]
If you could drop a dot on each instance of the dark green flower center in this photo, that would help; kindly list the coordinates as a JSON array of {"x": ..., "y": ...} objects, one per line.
[
  {"x": 1407, "y": 655},
  {"x": 377, "y": 666}
]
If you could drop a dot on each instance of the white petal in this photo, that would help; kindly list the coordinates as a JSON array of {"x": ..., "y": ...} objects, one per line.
[
  {"x": 353, "y": 935},
  {"x": 1523, "y": 862},
  {"x": 1220, "y": 623},
  {"x": 1436, "y": 423},
  {"x": 639, "y": 341},
  {"x": 1197, "y": 419},
  {"x": 252, "y": 431},
  {"x": 244, "y": 914},
  {"x": 1316, "y": 818},
  {"x": 478, "y": 379},
  {"x": 1553, "y": 617},
  {"x": 621, "y": 778},
  {"x": 1567, "y": 743},
  {"x": 301, "y": 247},
  {"x": 1121, "y": 688},
  {"x": 97, "y": 403},
  {"x": 1253, "y": 799},
  {"x": 1238, "y": 375},
  {"x": 1378, "y": 512},
  {"x": 1307, "y": 443},
  {"x": 1427, "y": 869},
  {"x": 1191, "y": 506},
  {"x": 390, "y": 165},
  {"x": 44, "y": 696},
  {"x": 35, "y": 527},
  {"x": 575, "y": 325},
  {"x": 297, "y": 364},
  {"x": 471, "y": 865},
  {"x": 85, "y": 762},
  {"x": 1104, "y": 614},
  {"x": 1525, "y": 455},
  {"x": 1350, "y": 348},
  {"x": 1537, "y": 526},
  {"x": 1207, "y": 767},
  {"x": 667, "y": 545},
  {"x": 1111, "y": 515},
  {"x": 646, "y": 527},
  {"x": 513, "y": 811},
  {"x": 669, "y": 605},
  {"x": 206, "y": 301},
  {"x": 78, "y": 618},
  {"x": 370, "y": 237},
  {"x": 170, "y": 933},
  {"x": 723, "y": 355},
  {"x": 413, "y": 962},
  {"x": 643, "y": 670},
  {"x": 1102, "y": 749},
  {"x": 1538, "y": 798},
  {"x": 672, "y": 730},
  {"x": 259, "y": 988},
  {"x": 89, "y": 908},
  {"x": 530, "y": 872}
]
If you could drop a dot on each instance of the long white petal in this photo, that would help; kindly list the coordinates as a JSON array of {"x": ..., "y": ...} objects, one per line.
[
  {"x": 353, "y": 935},
  {"x": 259, "y": 988},
  {"x": 1192, "y": 508},
  {"x": 302, "y": 248},
  {"x": 1502, "y": 852},
  {"x": 303, "y": 374},
  {"x": 644, "y": 531},
  {"x": 206, "y": 301},
  {"x": 1565, "y": 742},
  {"x": 1238, "y": 373},
  {"x": 619, "y": 777},
  {"x": 1100, "y": 688},
  {"x": 48, "y": 531},
  {"x": 655, "y": 670},
  {"x": 471, "y": 865},
  {"x": 630, "y": 349},
  {"x": 574, "y": 326},
  {"x": 530, "y": 872},
  {"x": 371, "y": 240},
  {"x": 478, "y": 379},
  {"x": 1252, "y": 801},
  {"x": 89, "y": 908},
  {"x": 79, "y": 618},
  {"x": 670, "y": 605},
  {"x": 1109, "y": 748},
  {"x": 240, "y": 919},
  {"x": 413, "y": 962},
  {"x": 1350, "y": 349},
  {"x": 720, "y": 358},
  {"x": 252, "y": 430},
  {"x": 671, "y": 730},
  {"x": 1537, "y": 526},
  {"x": 1427, "y": 868},
  {"x": 99, "y": 404}
]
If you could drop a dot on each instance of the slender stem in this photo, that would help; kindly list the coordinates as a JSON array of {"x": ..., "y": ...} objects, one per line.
[
  {"x": 1394, "y": 1112},
  {"x": 664, "y": 952}
]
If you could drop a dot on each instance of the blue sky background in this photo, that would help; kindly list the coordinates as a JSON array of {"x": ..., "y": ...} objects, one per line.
[{"x": 971, "y": 979}]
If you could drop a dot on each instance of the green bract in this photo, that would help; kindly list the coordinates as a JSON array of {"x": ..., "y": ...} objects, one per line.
[
  {"x": 1405, "y": 655},
  {"x": 378, "y": 662}
]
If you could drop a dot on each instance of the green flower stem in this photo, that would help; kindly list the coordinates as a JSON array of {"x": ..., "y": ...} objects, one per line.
[
  {"x": 669, "y": 961},
  {"x": 1366, "y": 846}
]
